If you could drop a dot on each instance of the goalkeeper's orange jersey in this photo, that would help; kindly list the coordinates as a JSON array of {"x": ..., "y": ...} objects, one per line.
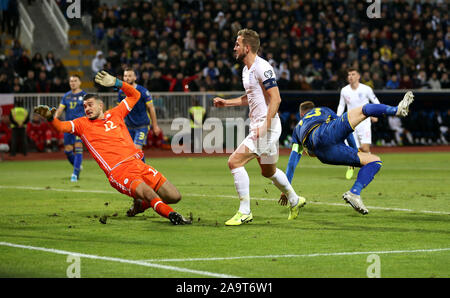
[{"x": 108, "y": 139}]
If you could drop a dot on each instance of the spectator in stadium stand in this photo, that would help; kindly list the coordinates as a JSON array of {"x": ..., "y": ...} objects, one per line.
[
  {"x": 211, "y": 70},
  {"x": 37, "y": 61},
  {"x": 222, "y": 84},
  {"x": 332, "y": 84},
  {"x": 29, "y": 84},
  {"x": 59, "y": 70},
  {"x": 18, "y": 118},
  {"x": 49, "y": 61},
  {"x": 392, "y": 83},
  {"x": 420, "y": 81},
  {"x": 157, "y": 83},
  {"x": 57, "y": 86},
  {"x": 4, "y": 84},
  {"x": 179, "y": 83},
  {"x": 283, "y": 81},
  {"x": 23, "y": 64},
  {"x": 366, "y": 80},
  {"x": 17, "y": 86},
  {"x": 406, "y": 83},
  {"x": 145, "y": 79},
  {"x": 445, "y": 125},
  {"x": 5, "y": 131},
  {"x": 441, "y": 53},
  {"x": 7, "y": 69},
  {"x": 433, "y": 82},
  {"x": 10, "y": 16},
  {"x": 36, "y": 130},
  {"x": 445, "y": 83},
  {"x": 98, "y": 62},
  {"x": 42, "y": 84}
]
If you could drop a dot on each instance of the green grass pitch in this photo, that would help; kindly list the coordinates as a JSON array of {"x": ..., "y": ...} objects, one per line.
[{"x": 44, "y": 218}]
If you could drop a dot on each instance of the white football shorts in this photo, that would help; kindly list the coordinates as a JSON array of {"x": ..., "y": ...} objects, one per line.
[
  {"x": 363, "y": 133},
  {"x": 266, "y": 146}
]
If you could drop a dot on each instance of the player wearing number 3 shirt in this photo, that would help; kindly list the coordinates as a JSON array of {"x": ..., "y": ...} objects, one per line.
[
  {"x": 106, "y": 137},
  {"x": 321, "y": 133}
]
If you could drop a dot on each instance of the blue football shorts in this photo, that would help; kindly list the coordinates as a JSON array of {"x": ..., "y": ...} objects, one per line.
[
  {"x": 327, "y": 142},
  {"x": 70, "y": 139},
  {"x": 139, "y": 135}
]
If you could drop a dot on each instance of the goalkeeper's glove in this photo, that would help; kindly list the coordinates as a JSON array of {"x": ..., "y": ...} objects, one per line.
[
  {"x": 105, "y": 79},
  {"x": 45, "y": 112}
]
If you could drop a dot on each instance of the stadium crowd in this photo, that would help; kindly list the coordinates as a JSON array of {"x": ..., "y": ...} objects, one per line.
[
  {"x": 309, "y": 43},
  {"x": 187, "y": 45}
]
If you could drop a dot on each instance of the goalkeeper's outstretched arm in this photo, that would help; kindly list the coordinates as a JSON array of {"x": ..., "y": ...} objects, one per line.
[
  {"x": 133, "y": 95},
  {"x": 49, "y": 114}
]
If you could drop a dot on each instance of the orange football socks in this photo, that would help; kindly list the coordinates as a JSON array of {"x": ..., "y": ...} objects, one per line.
[{"x": 160, "y": 207}]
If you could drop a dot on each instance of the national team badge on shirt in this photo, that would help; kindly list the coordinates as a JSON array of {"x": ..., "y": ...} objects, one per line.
[
  {"x": 268, "y": 74},
  {"x": 347, "y": 99}
]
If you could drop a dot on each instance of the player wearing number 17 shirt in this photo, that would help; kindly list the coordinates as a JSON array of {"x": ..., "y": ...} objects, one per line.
[
  {"x": 72, "y": 104},
  {"x": 321, "y": 133},
  {"x": 107, "y": 139}
]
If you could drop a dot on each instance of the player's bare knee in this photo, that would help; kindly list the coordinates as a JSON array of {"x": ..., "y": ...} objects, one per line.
[
  {"x": 366, "y": 158},
  {"x": 175, "y": 197},
  {"x": 268, "y": 173},
  {"x": 232, "y": 164},
  {"x": 369, "y": 159}
]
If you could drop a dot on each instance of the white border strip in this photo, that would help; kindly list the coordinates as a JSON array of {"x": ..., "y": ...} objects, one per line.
[
  {"x": 219, "y": 196},
  {"x": 140, "y": 263},
  {"x": 302, "y": 256}
]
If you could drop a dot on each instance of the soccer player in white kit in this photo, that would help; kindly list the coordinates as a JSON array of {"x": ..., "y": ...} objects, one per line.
[
  {"x": 354, "y": 95},
  {"x": 263, "y": 98}
]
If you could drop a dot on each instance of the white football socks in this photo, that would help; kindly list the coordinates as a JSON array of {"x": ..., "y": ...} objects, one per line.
[
  {"x": 242, "y": 184},
  {"x": 282, "y": 183}
]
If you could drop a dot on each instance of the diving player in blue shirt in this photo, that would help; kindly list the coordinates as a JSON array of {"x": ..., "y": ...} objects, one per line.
[
  {"x": 72, "y": 103},
  {"x": 137, "y": 120},
  {"x": 321, "y": 133}
]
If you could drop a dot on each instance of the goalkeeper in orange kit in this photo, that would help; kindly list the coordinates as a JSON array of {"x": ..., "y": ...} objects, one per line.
[{"x": 106, "y": 137}]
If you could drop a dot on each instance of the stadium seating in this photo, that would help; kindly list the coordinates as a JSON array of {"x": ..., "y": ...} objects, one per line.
[{"x": 313, "y": 41}]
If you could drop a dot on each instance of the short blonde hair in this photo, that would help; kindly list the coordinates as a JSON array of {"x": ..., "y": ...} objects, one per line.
[
  {"x": 306, "y": 106},
  {"x": 251, "y": 38}
]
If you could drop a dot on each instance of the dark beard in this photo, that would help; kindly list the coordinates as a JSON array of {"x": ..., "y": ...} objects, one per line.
[
  {"x": 241, "y": 57},
  {"x": 93, "y": 117}
]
